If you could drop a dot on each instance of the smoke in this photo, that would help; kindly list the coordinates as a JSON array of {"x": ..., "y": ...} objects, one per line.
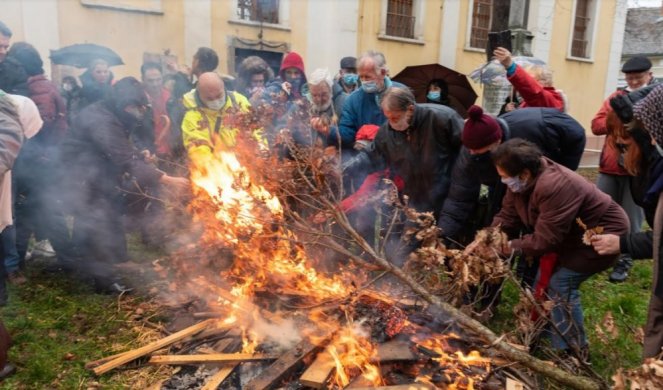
[{"x": 286, "y": 334}]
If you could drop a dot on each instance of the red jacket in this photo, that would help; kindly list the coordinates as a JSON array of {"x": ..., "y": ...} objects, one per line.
[
  {"x": 535, "y": 95},
  {"x": 161, "y": 122},
  {"x": 609, "y": 155},
  {"x": 52, "y": 108}
]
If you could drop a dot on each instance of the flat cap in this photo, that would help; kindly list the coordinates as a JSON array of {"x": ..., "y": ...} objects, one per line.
[
  {"x": 636, "y": 64},
  {"x": 348, "y": 63}
]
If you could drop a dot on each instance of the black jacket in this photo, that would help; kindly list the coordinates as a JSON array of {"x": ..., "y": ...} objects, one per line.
[
  {"x": 98, "y": 152},
  {"x": 423, "y": 155},
  {"x": 560, "y": 137}
]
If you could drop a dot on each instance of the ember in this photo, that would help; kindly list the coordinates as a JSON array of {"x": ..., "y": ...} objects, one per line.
[{"x": 281, "y": 307}]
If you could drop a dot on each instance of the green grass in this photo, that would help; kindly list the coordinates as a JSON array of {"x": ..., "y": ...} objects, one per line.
[
  {"x": 58, "y": 324},
  {"x": 626, "y": 301}
]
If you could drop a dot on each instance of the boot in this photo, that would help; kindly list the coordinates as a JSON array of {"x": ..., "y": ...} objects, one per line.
[{"x": 620, "y": 270}]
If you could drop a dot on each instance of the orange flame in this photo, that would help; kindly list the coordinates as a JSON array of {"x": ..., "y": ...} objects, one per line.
[{"x": 246, "y": 218}]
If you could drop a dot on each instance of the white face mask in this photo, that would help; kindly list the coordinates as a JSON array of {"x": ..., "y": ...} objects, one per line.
[{"x": 217, "y": 104}]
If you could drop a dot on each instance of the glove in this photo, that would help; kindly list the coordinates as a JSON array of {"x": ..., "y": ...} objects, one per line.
[
  {"x": 622, "y": 105},
  {"x": 356, "y": 164}
]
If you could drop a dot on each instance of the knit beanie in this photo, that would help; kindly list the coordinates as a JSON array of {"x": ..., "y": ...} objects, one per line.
[
  {"x": 292, "y": 60},
  {"x": 650, "y": 112},
  {"x": 480, "y": 129}
]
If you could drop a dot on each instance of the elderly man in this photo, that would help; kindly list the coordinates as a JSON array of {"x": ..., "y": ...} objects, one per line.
[
  {"x": 362, "y": 107},
  {"x": 418, "y": 143},
  {"x": 613, "y": 178},
  {"x": 205, "y": 127},
  {"x": 323, "y": 116}
]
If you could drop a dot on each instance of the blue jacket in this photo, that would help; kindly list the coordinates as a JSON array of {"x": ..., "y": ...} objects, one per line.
[{"x": 360, "y": 108}]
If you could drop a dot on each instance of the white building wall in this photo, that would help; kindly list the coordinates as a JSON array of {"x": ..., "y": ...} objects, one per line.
[{"x": 332, "y": 33}]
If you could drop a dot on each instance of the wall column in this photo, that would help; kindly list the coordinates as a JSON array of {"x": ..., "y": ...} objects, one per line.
[
  {"x": 41, "y": 27},
  {"x": 449, "y": 33},
  {"x": 197, "y": 27},
  {"x": 332, "y": 33}
]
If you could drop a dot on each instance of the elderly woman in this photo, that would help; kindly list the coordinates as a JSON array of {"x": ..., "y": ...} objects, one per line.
[
  {"x": 546, "y": 199},
  {"x": 534, "y": 84}
]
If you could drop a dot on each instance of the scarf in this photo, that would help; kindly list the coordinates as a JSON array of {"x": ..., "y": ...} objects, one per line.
[{"x": 650, "y": 112}]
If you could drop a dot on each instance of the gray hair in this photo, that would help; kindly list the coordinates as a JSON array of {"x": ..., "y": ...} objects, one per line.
[
  {"x": 397, "y": 99},
  {"x": 377, "y": 57},
  {"x": 319, "y": 76}
]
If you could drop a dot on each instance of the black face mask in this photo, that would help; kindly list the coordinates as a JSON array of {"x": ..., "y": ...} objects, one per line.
[{"x": 480, "y": 158}]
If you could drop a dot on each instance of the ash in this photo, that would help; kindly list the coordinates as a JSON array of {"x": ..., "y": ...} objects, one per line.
[{"x": 188, "y": 378}]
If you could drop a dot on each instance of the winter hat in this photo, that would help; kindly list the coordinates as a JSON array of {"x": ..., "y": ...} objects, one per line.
[
  {"x": 480, "y": 129},
  {"x": 348, "y": 63},
  {"x": 292, "y": 60},
  {"x": 128, "y": 91},
  {"x": 28, "y": 57},
  {"x": 367, "y": 133},
  {"x": 650, "y": 112}
]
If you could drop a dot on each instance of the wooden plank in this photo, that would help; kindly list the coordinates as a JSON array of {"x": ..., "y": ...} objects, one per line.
[
  {"x": 512, "y": 384},
  {"x": 317, "y": 374},
  {"x": 411, "y": 386},
  {"x": 288, "y": 362},
  {"x": 96, "y": 363},
  {"x": 210, "y": 358},
  {"x": 395, "y": 351},
  {"x": 149, "y": 348},
  {"x": 218, "y": 378}
]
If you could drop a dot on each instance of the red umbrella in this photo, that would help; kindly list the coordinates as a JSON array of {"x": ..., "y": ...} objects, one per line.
[{"x": 461, "y": 95}]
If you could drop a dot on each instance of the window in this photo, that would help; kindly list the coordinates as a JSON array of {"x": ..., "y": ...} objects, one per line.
[
  {"x": 400, "y": 18},
  {"x": 582, "y": 30},
  {"x": 266, "y": 11},
  {"x": 481, "y": 17},
  {"x": 580, "y": 26}
]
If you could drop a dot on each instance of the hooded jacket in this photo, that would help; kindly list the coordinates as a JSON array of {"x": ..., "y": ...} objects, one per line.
[
  {"x": 560, "y": 137},
  {"x": 293, "y": 60},
  {"x": 201, "y": 125},
  {"x": 52, "y": 108}
]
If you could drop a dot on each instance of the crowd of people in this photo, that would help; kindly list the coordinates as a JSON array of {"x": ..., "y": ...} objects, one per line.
[{"x": 92, "y": 148}]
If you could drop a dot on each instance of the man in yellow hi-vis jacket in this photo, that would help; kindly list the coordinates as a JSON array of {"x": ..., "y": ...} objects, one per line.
[{"x": 206, "y": 108}]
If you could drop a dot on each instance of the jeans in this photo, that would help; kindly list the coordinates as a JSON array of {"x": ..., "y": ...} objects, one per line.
[
  {"x": 11, "y": 258},
  {"x": 566, "y": 313}
]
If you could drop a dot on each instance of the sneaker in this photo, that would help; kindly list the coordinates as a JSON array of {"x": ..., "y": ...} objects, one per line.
[
  {"x": 16, "y": 278},
  {"x": 7, "y": 370},
  {"x": 43, "y": 249},
  {"x": 620, "y": 270}
]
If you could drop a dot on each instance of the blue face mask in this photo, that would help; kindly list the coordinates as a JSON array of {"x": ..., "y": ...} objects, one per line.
[
  {"x": 370, "y": 87},
  {"x": 435, "y": 96},
  {"x": 515, "y": 184},
  {"x": 350, "y": 79}
]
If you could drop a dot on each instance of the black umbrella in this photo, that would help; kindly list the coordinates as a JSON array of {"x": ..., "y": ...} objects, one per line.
[
  {"x": 81, "y": 55},
  {"x": 461, "y": 94}
]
